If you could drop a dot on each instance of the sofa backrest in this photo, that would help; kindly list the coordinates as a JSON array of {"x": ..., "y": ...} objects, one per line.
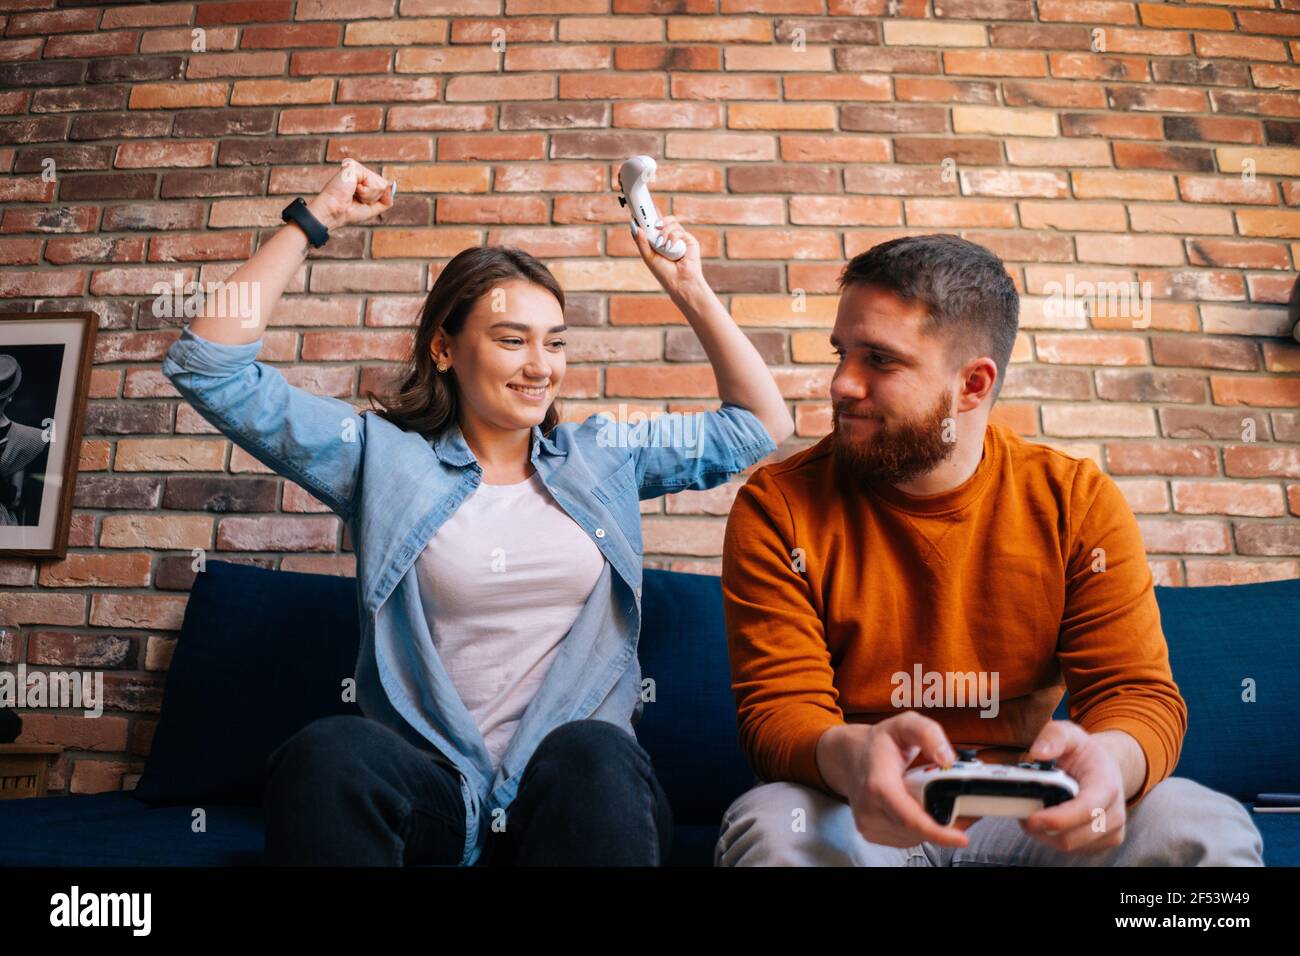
[
  {"x": 1235, "y": 655},
  {"x": 263, "y": 653}
]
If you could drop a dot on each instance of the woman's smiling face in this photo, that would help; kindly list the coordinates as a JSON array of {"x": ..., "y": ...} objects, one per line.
[{"x": 508, "y": 358}]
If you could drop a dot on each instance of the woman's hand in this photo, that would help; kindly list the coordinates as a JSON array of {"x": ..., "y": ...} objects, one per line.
[
  {"x": 353, "y": 196},
  {"x": 678, "y": 276}
]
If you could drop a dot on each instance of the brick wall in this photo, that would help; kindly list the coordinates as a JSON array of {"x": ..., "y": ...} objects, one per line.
[{"x": 1082, "y": 141}]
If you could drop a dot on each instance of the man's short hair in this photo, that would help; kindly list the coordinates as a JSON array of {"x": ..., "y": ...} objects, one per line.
[{"x": 968, "y": 297}]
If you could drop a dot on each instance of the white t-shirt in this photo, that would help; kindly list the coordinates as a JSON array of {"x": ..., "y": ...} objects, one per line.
[{"x": 502, "y": 581}]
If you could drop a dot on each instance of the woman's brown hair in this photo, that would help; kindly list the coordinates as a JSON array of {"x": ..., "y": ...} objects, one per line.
[{"x": 425, "y": 400}]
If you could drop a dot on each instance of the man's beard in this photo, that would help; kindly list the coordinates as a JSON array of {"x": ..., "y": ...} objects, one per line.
[{"x": 895, "y": 453}]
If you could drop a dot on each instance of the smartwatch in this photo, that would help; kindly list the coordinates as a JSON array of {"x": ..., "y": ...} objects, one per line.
[{"x": 298, "y": 212}]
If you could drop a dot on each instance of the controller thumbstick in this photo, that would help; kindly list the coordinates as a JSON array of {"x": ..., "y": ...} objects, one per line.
[
  {"x": 1045, "y": 764},
  {"x": 967, "y": 753}
]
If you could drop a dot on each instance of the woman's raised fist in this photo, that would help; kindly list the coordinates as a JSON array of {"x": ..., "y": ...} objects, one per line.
[{"x": 353, "y": 196}]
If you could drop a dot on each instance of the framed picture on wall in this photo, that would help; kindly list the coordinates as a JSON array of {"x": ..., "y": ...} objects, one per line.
[{"x": 45, "y": 363}]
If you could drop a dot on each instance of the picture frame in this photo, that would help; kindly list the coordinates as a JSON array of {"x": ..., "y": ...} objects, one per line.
[{"x": 45, "y": 364}]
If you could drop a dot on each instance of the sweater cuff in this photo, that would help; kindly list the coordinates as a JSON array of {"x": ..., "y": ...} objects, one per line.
[
  {"x": 1158, "y": 767},
  {"x": 802, "y": 754}
]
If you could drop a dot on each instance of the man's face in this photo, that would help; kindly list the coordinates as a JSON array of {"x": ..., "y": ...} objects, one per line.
[{"x": 893, "y": 391}]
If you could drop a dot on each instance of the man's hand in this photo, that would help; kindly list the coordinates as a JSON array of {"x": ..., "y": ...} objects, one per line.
[
  {"x": 677, "y": 278},
  {"x": 865, "y": 764},
  {"x": 1074, "y": 826}
]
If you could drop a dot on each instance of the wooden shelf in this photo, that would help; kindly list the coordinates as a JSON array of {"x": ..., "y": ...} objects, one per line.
[{"x": 25, "y": 768}]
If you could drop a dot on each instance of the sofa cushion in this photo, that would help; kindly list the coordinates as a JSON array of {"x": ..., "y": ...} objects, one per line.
[
  {"x": 112, "y": 829},
  {"x": 261, "y": 654},
  {"x": 1218, "y": 637},
  {"x": 690, "y": 728}
]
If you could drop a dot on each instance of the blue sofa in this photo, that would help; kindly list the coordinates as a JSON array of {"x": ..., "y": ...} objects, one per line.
[{"x": 262, "y": 653}]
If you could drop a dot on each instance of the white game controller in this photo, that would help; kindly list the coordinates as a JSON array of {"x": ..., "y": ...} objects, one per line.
[
  {"x": 972, "y": 788},
  {"x": 634, "y": 183}
]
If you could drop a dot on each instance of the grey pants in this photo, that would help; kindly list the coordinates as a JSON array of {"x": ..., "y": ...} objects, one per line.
[{"x": 1179, "y": 823}]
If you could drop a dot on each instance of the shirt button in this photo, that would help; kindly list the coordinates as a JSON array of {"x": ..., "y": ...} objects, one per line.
[{"x": 600, "y": 532}]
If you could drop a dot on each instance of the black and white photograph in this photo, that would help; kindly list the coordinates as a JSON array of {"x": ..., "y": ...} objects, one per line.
[{"x": 44, "y": 368}]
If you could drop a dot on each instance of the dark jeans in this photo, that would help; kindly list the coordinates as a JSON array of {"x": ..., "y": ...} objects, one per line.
[{"x": 346, "y": 790}]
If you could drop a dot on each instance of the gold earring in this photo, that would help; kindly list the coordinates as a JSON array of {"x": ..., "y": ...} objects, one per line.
[{"x": 442, "y": 367}]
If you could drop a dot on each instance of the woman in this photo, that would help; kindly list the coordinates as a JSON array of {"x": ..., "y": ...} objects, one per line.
[{"x": 498, "y": 561}]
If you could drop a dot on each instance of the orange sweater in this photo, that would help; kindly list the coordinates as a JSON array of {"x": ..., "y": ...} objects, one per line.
[{"x": 840, "y": 602}]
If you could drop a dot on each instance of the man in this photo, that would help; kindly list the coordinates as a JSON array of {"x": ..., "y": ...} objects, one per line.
[
  {"x": 916, "y": 550},
  {"x": 21, "y": 450}
]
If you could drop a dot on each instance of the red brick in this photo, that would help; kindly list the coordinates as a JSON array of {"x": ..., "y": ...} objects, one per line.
[
  {"x": 1154, "y": 42},
  {"x": 1271, "y": 288},
  {"x": 1130, "y": 250},
  {"x": 1112, "y": 125},
  {"x": 1083, "y": 421},
  {"x": 1201, "y": 423},
  {"x": 1177, "y": 218},
  {"x": 1094, "y": 66},
  {"x": 1264, "y": 538},
  {"x": 1211, "y": 572},
  {"x": 950, "y": 214},
  {"x": 840, "y": 148},
  {"x": 1148, "y": 458},
  {"x": 1279, "y": 223},
  {"x": 690, "y": 381},
  {"x": 282, "y": 36},
  {"x": 994, "y": 63},
  {"x": 1195, "y": 18},
  {"x": 163, "y": 612},
  {"x": 1091, "y": 349},
  {"x": 1266, "y": 104},
  {"x": 339, "y": 61},
  {"x": 1228, "y": 498},
  {"x": 1278, "y": 24},
  {"x": 1281, "y": 356},
  {"x": 243, "y": 11},
  {"x": 1148, "y": 385},
  {"x": 276, "y": 533},
  {"x": 1154, "y": 156},
  {"x": 1087, "y": 11},
  {"x": 1261, "y": 461},
  {"x": 961, "y": 150},
  {"x": 1233, "y": 46},
  {"x": 1276, "y": 392},
  {"x": 1184, "y": 536},
  {"x": 45, "y": 23},
  {"x": 1161, "y": 99},
  {"x": 1205, "y": 352},
  {"x": 1145, "y": 496},
  {"x": 934, "y": 90},
  {"x": 845, "y": 211},
  {"x": 1244, "y": 320},
  {"x": 208, "y": 65},
  {"x": 1218, "y": 189}
]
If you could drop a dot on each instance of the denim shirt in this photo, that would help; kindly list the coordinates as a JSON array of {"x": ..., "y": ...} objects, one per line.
[{"x": 394, "y": 489}]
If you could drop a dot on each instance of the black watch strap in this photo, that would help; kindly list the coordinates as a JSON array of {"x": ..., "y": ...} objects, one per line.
[{"x": 298, "y": 212}]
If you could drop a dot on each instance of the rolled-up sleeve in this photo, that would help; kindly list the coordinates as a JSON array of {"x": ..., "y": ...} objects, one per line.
[
  {"x": 692, "y": 451},
  {"x": 314, "y": 440}
]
